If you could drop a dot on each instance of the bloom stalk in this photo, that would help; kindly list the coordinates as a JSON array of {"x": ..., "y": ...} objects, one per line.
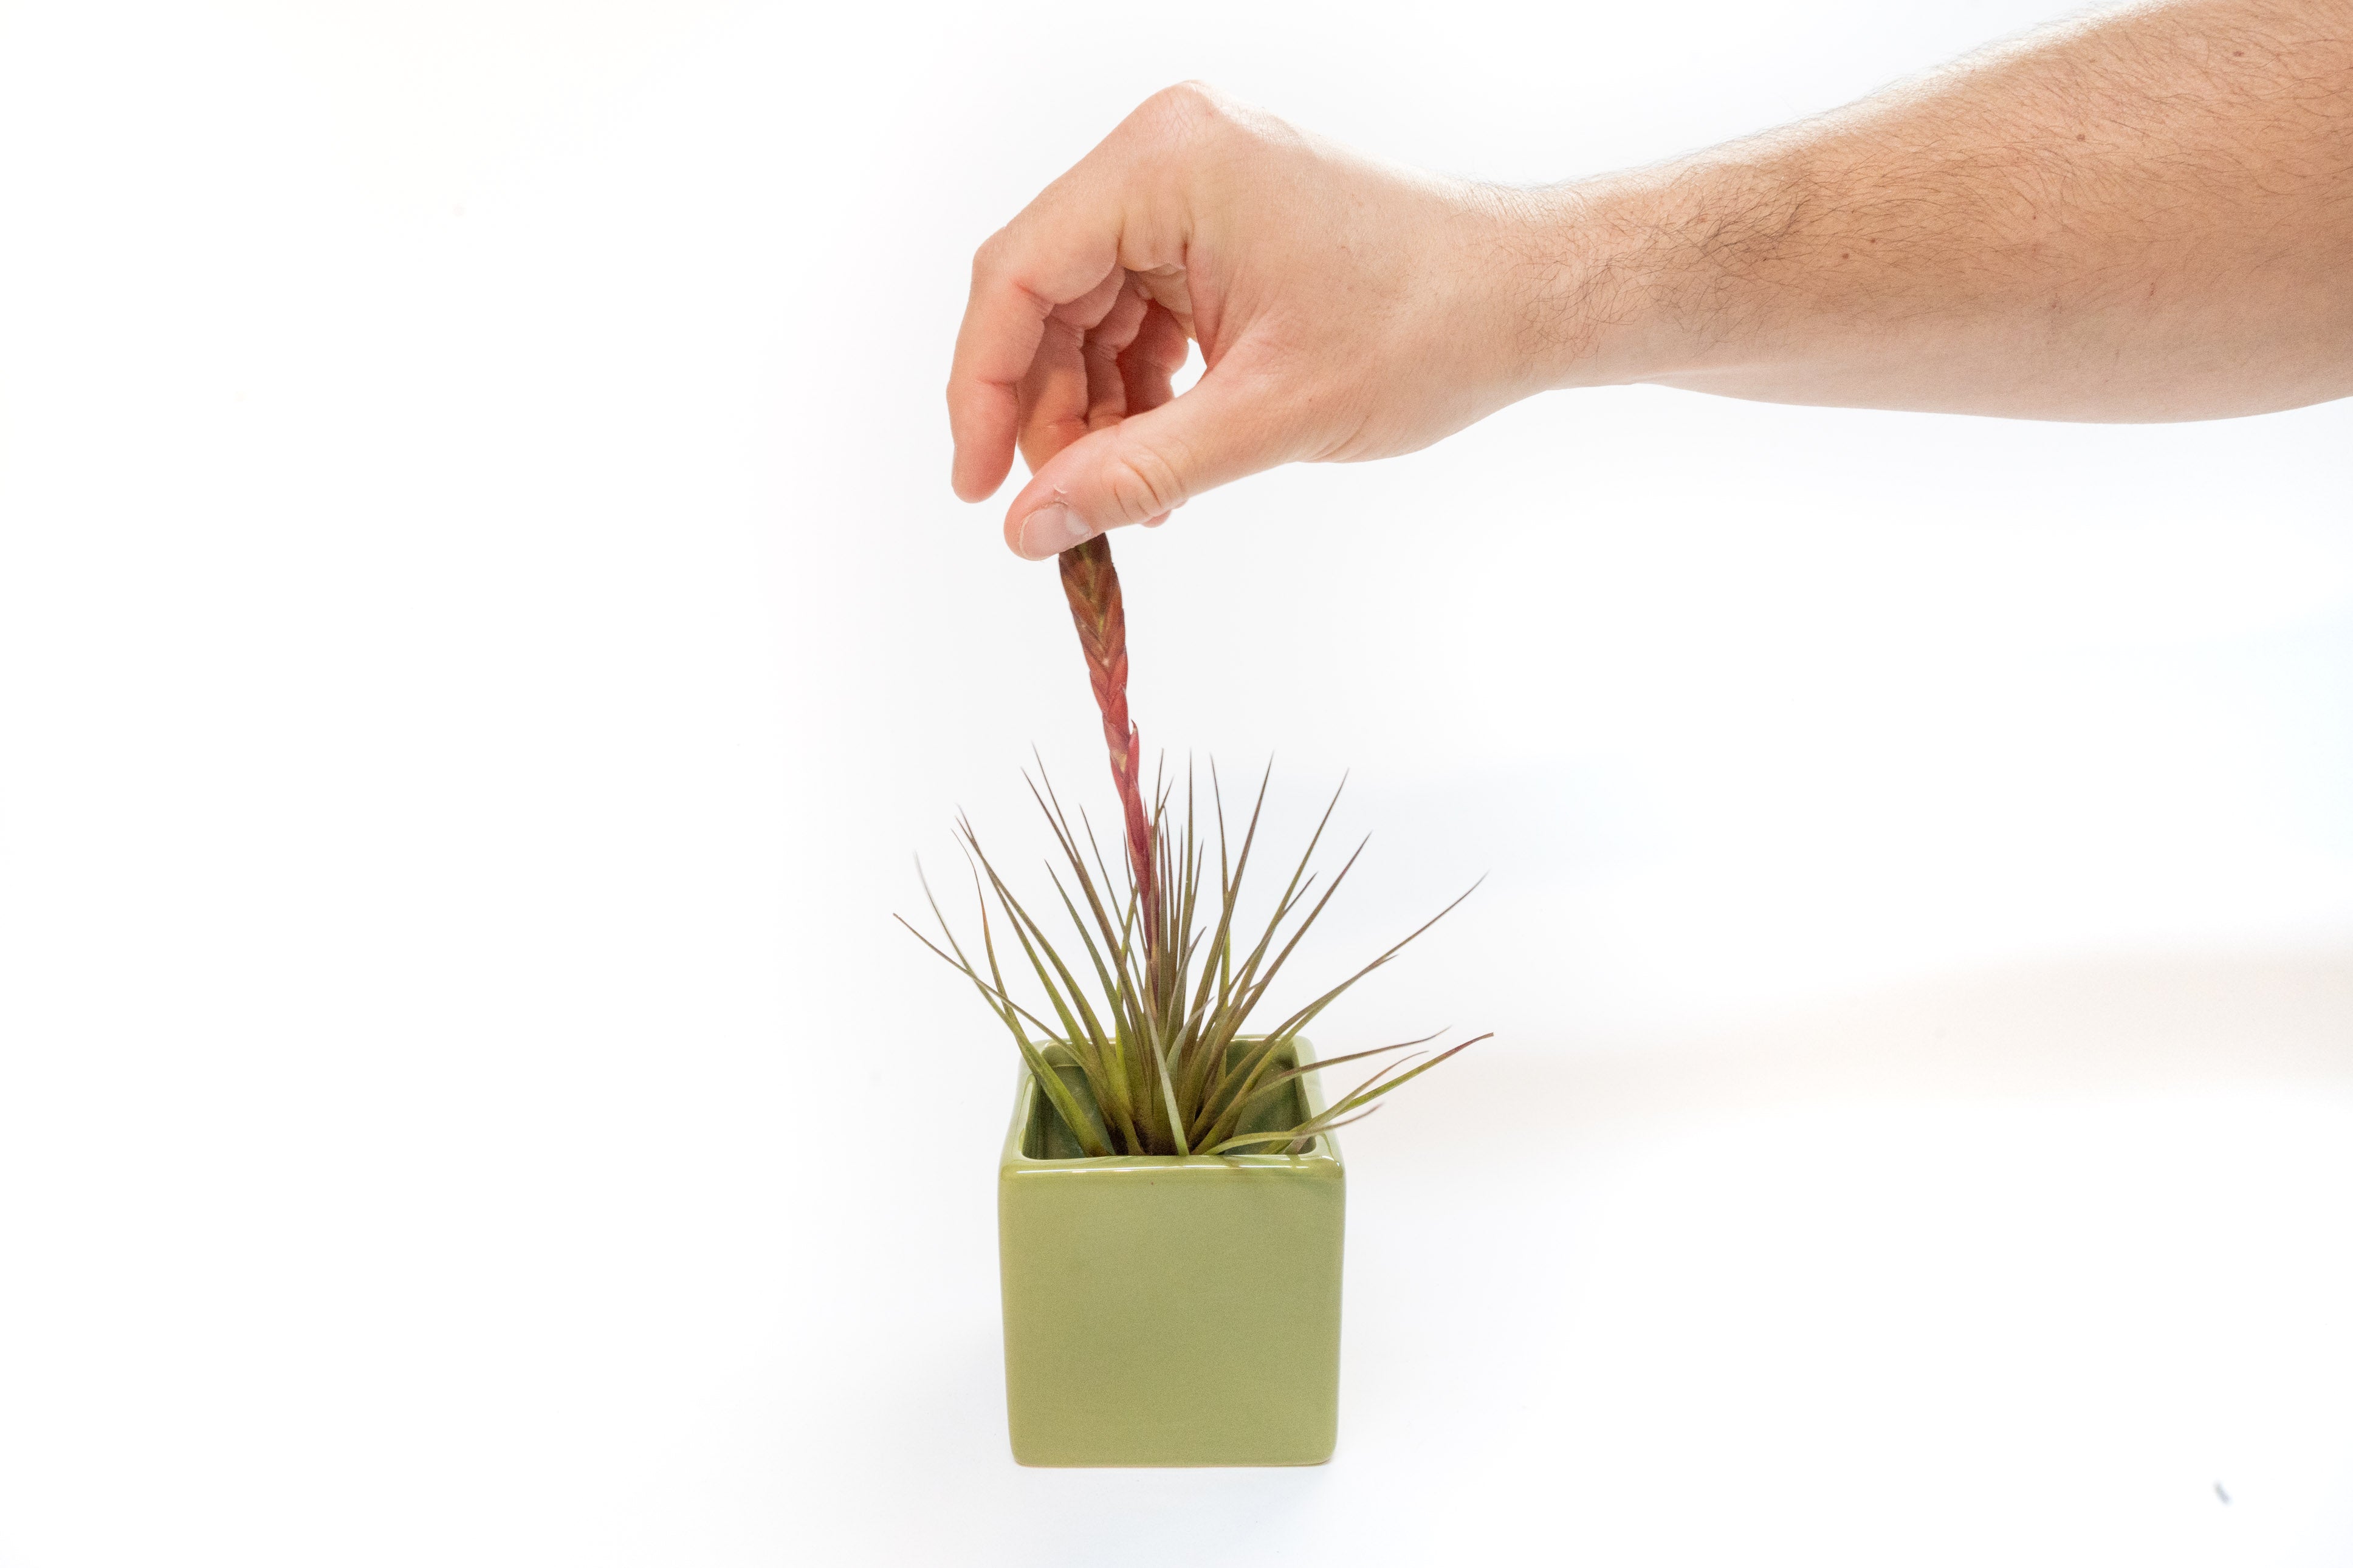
[{"x": 1091, "y": 584}]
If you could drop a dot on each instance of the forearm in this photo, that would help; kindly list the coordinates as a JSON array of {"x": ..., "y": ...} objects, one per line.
[{"x": 2147, "y": 215}]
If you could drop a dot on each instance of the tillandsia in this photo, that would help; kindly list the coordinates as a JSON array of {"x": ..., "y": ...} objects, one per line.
[{"x": 1153, "y": 1058}]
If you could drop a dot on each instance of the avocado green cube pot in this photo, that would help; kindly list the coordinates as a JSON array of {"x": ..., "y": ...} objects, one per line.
[{"x": 1166, "y": 1311}]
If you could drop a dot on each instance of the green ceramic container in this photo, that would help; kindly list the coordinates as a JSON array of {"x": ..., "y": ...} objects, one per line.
[{"x": 1161, "y": 1310}]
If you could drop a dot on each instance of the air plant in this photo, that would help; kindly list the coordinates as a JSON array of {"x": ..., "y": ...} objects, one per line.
[{"x": 1152, "y": 1058}]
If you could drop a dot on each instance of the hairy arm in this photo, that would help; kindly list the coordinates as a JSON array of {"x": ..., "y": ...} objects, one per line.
[{"x": 2144, "y": 214}]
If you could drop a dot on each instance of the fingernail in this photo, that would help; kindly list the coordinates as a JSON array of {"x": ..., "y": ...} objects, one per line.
[{"x": 1050, "y": 530}]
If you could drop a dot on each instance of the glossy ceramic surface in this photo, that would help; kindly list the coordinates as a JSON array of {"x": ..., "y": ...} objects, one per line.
[{"x": 1162, "y": 1310}]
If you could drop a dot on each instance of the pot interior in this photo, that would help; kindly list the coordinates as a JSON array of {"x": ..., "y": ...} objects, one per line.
[{"x": 1046, "y": 1138}]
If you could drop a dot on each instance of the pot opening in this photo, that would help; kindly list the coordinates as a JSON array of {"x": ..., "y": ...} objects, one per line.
[{"x": 1045, "y": 1136}]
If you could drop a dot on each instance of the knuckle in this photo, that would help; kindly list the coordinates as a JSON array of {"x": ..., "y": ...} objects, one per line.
[
  {"x": 1194, "y": 96},
  {"x": 1142, "y": 482},
  {"x": 1187, "y": 111},
  {"x": 989, "y": 260}
]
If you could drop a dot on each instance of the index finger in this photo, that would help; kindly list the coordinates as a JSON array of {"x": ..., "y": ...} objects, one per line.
[{"x": 1096, "y": 219}]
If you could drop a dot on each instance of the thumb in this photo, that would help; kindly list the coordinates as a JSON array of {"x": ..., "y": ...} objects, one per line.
[{"x": 1144, "y": 467}]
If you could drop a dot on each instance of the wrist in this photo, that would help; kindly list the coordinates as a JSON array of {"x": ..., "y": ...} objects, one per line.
[
  {"x": 1574, "y": 277},
  {"x": 1652, "y": 274}
]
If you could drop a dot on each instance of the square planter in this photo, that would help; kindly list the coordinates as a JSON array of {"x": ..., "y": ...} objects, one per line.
[{"x": 1164, "y": 1311}]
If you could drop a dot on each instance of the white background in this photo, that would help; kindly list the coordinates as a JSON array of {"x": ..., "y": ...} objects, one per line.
[{"x": 483, "y": 628}]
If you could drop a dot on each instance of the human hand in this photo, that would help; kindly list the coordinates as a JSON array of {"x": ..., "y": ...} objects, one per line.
[{"x": 1345, "y": 309}]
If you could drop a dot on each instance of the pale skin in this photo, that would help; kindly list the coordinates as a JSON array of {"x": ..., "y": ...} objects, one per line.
[{"x": 2143, "y": 215}]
